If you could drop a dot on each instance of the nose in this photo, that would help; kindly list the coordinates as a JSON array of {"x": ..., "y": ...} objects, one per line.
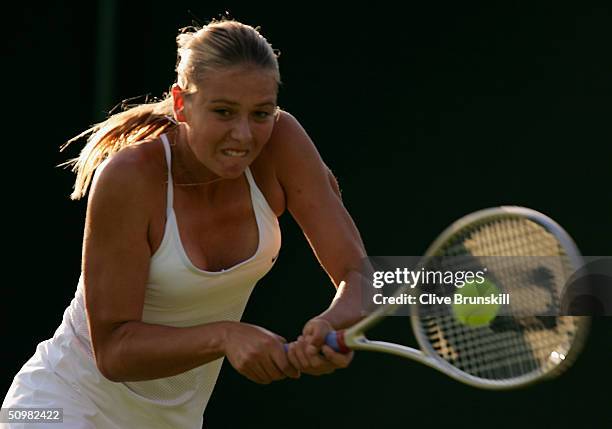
[{"x": 241, "y": 130}]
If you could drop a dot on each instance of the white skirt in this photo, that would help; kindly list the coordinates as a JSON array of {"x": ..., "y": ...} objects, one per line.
[
  {"x": 36, "y": 386},
  {"x": 61, "y": 375}
]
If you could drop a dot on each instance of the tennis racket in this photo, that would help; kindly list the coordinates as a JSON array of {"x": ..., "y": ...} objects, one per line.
[{"x": 512, "y": 351}]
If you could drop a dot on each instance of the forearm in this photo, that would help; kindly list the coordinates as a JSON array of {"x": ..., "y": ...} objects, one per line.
[
  {"x": 347, "y": 307},
  {"x": 140, "y": 351}
]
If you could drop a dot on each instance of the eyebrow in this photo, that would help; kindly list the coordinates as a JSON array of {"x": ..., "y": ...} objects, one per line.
[{"x": 233, "y": 103}]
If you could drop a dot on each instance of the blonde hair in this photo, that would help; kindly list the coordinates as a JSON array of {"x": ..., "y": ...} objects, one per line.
[{"x": 220, "y": 44}]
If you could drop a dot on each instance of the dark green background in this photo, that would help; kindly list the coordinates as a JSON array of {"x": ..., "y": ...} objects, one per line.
[{"x": 425, "y": 113}]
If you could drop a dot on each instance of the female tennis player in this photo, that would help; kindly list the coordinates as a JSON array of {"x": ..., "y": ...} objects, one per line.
[{"x": 181, "y": 224}]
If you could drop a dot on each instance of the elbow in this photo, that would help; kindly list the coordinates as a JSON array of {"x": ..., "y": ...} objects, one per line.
[
  {"x": 110, "y": 377},
  {"x": 334, "y": 183},
  {"x": 108, "y": 347},
  {"x": 106, "y": 368},
  {"x": 107, "y": 358}
]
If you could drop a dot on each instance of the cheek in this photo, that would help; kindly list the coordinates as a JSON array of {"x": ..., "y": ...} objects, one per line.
[
  {"x": 207, "y": 137},
  {"x": 263, "y": 132},
  {"x": 202, "y": 144}
]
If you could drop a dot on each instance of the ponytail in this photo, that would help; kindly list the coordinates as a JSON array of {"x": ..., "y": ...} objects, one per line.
[
  {"x": 218, "y": 45},
  {"x": 118, "y": 131}
]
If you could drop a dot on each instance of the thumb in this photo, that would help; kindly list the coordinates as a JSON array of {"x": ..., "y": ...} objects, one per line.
[
  {"x": 315, "y": 332},
  {"x": 309, "y": 330}
]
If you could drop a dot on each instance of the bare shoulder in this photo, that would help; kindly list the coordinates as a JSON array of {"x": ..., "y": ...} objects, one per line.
[
  {"x": 288, "y": 133},
  {"x": 131, "y": 176},
  {"x": 290, "y": 145},
  {"x": 293, "y": 152},
  {"x": 286, "y": 122}
]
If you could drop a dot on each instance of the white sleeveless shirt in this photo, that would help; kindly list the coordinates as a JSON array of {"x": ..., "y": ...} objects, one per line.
[{"x": 177, "y": 294}]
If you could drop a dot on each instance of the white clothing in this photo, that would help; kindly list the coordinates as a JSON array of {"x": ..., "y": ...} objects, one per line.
[{"x": 63, "y": 373}]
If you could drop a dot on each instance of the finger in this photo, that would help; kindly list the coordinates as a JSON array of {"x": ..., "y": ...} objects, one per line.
[
  {"x": 315, "y": 366},
  {"x": 291, "y": 356},
  {"x": 319, "y": 337},
  {"x": 317, "y": 362},
  {"x": 261, "y": 373},
  {"x": 254, "y": 375},
  {"x": 313, "y": 335},
  {"x": 339, "y": 360},
  {"x": 300, "y": 355},
  {"x": 271, "y": 370},
  {"x": 282, "y": 363},
  {"x": 317, "y": 328}
]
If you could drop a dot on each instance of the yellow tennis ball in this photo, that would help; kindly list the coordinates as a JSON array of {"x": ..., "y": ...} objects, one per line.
[{"x": 471, "y": 310}]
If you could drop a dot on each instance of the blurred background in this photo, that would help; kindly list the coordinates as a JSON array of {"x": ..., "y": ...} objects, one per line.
[{"x": 424, "y": 112}]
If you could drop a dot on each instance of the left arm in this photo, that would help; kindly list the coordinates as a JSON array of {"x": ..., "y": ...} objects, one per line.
[{"x": 313, "y": 199}]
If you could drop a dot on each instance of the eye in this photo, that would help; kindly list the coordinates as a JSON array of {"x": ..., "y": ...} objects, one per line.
[
  {"x": 223, "y": 112},
  {"x": 262, "y": 115}
]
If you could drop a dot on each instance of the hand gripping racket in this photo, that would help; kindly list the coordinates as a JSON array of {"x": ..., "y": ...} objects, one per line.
[{"x": 511, "y": 351}]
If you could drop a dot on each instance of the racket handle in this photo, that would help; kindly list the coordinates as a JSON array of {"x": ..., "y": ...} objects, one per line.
[
  {"x": 334, "y": 339},
  {"x": 331, "y": 339}
]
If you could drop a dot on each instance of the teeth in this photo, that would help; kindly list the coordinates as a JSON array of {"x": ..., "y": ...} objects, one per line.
[{"x": 232, "y": 152}]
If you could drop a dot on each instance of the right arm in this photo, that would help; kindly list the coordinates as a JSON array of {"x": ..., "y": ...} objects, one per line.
[{"x": 115, "y": 268}]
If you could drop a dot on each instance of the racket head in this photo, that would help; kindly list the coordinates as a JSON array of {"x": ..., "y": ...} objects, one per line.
[{"x": 517, "y": 351}]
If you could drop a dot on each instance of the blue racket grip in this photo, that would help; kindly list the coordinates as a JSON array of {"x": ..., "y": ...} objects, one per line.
[{"x": 331, "y": 339}]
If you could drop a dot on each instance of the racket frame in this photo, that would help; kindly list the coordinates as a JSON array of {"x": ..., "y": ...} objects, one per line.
[{"x": 355, "y": 339}]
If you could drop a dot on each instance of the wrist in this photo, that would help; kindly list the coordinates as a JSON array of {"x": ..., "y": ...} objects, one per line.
[
  {"x": 224, "y": 334},
  {"x": 324, "y": 320}
]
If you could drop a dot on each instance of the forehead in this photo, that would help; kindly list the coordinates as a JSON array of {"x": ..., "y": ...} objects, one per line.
[{"x": 245, "y": 85}]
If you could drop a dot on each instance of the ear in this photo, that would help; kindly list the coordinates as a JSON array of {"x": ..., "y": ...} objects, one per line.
[{"x": 179, "y": 103}]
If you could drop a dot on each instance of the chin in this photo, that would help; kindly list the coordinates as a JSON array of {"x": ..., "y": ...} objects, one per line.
[{"x": 232, "y": 172}]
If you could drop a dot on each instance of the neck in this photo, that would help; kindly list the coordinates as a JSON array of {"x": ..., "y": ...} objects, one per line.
[{"x": 188, "y": 170}]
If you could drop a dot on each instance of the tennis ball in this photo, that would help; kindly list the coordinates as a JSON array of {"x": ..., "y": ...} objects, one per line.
[{"x": 475, "y": 315}]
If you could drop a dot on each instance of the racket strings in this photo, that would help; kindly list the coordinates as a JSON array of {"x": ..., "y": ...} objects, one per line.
[{"x": 518, "y": 252}]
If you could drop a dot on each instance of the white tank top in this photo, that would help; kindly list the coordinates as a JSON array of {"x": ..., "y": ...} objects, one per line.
[{"x": 177, "y": 294}]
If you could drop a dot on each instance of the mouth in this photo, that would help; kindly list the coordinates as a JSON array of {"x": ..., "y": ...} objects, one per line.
[{"x": 235, "y": 153}]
